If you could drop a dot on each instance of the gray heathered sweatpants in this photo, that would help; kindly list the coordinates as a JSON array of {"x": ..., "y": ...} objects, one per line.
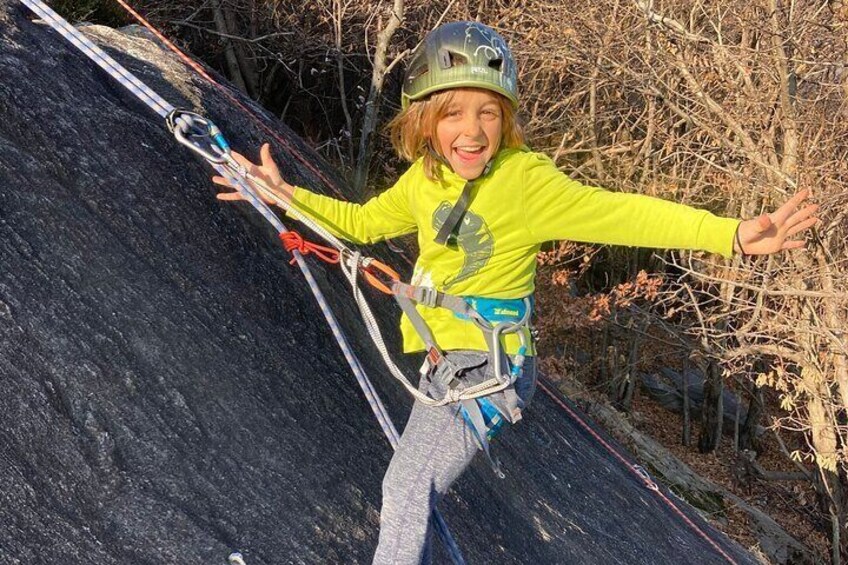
[{"x": 434, "y": 450}]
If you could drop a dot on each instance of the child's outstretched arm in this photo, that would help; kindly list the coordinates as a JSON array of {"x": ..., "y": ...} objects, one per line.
[
  {"x": 383, "y": 217},
  {"x": 557, "y": 207},
  {"x": 770, "y": 233}
]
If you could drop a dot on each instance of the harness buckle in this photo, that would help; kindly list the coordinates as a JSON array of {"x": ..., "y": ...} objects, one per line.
[
  {"x": 427, "y": 295},
  {"x": 431, "y": 360},
  {"x": 434, "y": 356}
]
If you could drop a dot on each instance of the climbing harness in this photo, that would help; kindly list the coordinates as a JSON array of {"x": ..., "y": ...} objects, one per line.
[
  {"x": 201, "y": 136},
  {"x": 483, "y": 411}
]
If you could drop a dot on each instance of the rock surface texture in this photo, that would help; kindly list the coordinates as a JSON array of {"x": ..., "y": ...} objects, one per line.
[{"x": 169, "y": 391}]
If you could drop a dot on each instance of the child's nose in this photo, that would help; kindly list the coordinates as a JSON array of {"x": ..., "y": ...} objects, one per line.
[{"x": 473, "y": 126}]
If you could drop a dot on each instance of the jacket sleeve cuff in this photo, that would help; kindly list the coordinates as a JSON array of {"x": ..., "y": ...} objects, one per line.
[
  {"x": 299, "y": 200},
  {"x": 716, "y": 234}
]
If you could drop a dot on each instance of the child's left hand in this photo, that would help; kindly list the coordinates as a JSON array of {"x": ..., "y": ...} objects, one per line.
[{"x": 770, "y": 233}]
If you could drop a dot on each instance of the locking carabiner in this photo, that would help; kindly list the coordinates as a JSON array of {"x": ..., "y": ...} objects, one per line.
[{"x": 199, "y": 134}]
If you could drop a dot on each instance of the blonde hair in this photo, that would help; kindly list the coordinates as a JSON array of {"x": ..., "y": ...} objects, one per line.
[{"x": 412, "y": 130}]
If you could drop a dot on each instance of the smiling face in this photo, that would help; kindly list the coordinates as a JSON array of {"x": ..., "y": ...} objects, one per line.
[{"x": 468, "y": 135}]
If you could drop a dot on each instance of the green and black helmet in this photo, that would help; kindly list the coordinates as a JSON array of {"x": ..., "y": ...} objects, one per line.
[{"x": 460, "y": 54}]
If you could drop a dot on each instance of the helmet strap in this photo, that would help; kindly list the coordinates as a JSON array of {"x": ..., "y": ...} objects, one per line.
[{"x": 436, "y": 155}]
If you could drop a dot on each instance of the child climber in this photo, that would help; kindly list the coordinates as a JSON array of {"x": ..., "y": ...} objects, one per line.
[{"x": 482, "y": 204}]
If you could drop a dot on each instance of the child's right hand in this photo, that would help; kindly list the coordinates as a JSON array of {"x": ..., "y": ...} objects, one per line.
[{"x": 267, "y": 173}]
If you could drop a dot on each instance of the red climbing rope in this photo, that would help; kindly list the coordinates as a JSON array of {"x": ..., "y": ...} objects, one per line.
[{"x": 378, "y": 274}]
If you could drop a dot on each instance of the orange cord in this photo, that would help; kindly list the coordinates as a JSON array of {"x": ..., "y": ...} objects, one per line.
[
  {"x": 293, "y": 241},
  {"x": 379, "y": 275}
]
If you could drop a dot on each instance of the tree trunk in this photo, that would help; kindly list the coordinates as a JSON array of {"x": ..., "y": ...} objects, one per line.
[
  {"x": 687, "y": 419},
  {"x": 736, "y": 427},
  {"x": 223, "y": 25},
  {"x": 629, "y": 384},
  {"x": 605, "y": 347},
  {"x": 748, "y": 434},
  {"x": 614, "y": 372},
  {"x": 375, "y": 94},
  {"x": 826, "y": 443},
  {"x": 338, "y": 24},
  {"x": 712, "y": 412}
]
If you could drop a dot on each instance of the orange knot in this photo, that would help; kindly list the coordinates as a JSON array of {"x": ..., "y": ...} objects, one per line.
[{"x": 292, "y": 241}]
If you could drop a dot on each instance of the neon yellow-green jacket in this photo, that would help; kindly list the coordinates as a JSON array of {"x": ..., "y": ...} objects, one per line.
[{"x": 523, "y": 202}]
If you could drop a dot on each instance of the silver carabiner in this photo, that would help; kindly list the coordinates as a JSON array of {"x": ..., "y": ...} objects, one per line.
[{"x": 193, "y": 131}]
